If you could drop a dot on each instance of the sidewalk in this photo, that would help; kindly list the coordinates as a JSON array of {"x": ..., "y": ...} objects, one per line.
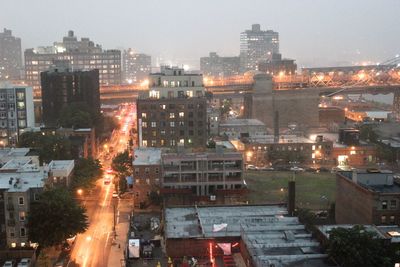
[{"x": 117, "y": 257}]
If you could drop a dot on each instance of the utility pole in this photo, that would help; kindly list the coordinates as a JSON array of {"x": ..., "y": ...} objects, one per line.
[{"x": 115, "y": 233}]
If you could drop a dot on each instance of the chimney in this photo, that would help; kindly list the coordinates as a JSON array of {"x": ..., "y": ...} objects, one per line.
[
  {"x": 276, "y": 127},
  {"x": 291, "y": 197}
]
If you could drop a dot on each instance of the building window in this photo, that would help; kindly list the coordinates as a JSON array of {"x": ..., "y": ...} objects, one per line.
[
  {"x": 163, "y": 106},
  {"x": 21, "y": 201},
  {"x": 172, "y": 143},
  {"x": 393, "y": 204},
  {"x": 22, "y": 232},
  {"x": 153, "y": 143},
  {"x": 392, "y": 219},
  {"x": 162, "y": 142},
  {"x": 154, "y": 133},
  {"x": 172, "y": 124},
  {"x": 189, "y": 93},
  {"x": 181, "y": 123},
  {"x": 137, "y": 170},
  {"x": 181, "y": 114},
  {"x": 156, "y": 170},
  {"x": 144, "y": 124},
  {"x": 147, "y": 181},
  {"x": 182, "y": 141},
  {"x": 181, "y": 132},
  {"x": 144, "y": 142},
  {"x": 384, "y": 204},
  {"x": 22, "y": 216},
  {"x": 172, "y": 115},
  {"x": 12, "y": 232},
  {"x": 190, "y": 123},
  {"x": 162, "y": 132},
  {"x": 144, "y": 115},
  {"x": 383, "y": 219},
  {"x": 191, "y": 132},
  {"x": 153, "y": 124}
]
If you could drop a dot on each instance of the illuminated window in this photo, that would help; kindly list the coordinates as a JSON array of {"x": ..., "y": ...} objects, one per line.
[
  {"x": 383, "y": 219},
  {"x": 352, "y": 152},
  {"x": 153, "y": 124},
  {"x": 313, "y": 147},
  {"x": 162, "y": 106},
  {"x": 172, "y": 124},
  {"x": 165, "y": 83},
  {"x": 22, "y": 216},
  {"x": 172, "y": 115},
  {"x": 181, "y": 114},
  {"x": 144, "y": 142},
  {"x": 144, "y": 124},
  {"x": 189, "y": 93},
  {"x": 154, "y": 133},
  {"x": 384, "y": 204},
  {"x": 144, "y": 115},
  {"x": 154, "y": 94},
  {"x": 182, "y": 141}
]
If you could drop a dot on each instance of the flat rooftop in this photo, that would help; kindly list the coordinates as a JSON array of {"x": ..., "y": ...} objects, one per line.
[
  {"x": 270, "y": 236},
  {"x": 147, "y": 156},
  {"x": 283, "y": 139},
  {"x": 22, "y": 181},
  {"x": 61, "y": 164},
  {"x": 14, "y": 152}
]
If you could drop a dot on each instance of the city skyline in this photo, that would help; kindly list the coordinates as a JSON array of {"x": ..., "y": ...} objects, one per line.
[{"x": 322, "y": 34}]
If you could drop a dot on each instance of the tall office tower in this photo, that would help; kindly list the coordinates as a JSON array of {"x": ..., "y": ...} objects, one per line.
[
  {"x": 80, "y": 55},
  {"x": 10, "y": 56},
  {"x": 61, "y": 87},
  {"x": 173, "y": 110},
  {"x": 16, "y": 112},
  {"x": 257, "y": 45},
  {"x": 217, "y": 66},
  {"x": 136, "y": 67}
]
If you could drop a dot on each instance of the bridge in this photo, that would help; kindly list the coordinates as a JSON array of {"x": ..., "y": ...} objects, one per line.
[{"x": 383, "y": 78}]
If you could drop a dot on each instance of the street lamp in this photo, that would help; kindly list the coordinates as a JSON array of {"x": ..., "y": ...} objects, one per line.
[{"x": 79, "y": 192}]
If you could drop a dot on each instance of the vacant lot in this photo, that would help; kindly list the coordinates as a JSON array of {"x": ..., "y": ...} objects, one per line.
[{"x": 313, "y": 190}]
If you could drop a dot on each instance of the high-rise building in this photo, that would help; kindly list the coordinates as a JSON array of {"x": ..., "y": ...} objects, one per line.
[
  {"x": 217, "y": 66},
  {"x": 136, "y": 67},
  {"x": 173, "y": 110},
  {"x": 10, "y": 56},
  {"x": 257, "y": 45},
  {"x": 16, "y": 112},
  {"x": 63, "y": 87},
  {"x": 80, "y": 55}
]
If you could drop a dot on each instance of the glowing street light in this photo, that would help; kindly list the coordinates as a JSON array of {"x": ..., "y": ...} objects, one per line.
[{"x": 79, "y": 191}]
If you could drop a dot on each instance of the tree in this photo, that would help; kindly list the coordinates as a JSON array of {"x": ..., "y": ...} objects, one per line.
[
  {"x": 357, "y": 247},
  {"x": 49, "y": 147},
  {"x": 55, "y": 217},
  {"x": 122, "y": 164},
  {"x": 368, "y": 133},
  {"x": 86, "y": 172}
]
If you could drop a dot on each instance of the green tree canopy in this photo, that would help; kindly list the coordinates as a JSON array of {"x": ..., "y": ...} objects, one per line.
[
  {"x": 86, "y": 172},
  {"x": 49, "y": 147},
  {"x": 55, "y": 217},
  {"x": 122, "y": 164},
  {"x": 368, "y": 133},
  {"x": 356, "y": 247}
]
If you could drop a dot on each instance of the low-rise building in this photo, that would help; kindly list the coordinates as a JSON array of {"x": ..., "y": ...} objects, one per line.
[
  {"x": 60, "y": 172},
  {"x": 242, "y": 128},
  {"x": 367, "y": 197},
  {"x": 257, "y": 236},
  {"x": 359, "y": 156},
  {"x": 285, "y": 148},
  {"x": 146, "y": 173},
  {"x": 21, "y": 182},
  {"x": 202, "y": 176}
]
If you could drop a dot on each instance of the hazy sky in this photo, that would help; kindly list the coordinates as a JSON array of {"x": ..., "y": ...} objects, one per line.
[{"x": 315, "y": 32}]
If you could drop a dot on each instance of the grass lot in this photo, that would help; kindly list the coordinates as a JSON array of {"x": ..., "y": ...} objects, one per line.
[{"x": 265, "y": 187}]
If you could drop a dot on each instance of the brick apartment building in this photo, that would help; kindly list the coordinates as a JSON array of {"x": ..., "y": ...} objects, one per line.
[
  {"x": 367, "y": 197},
  {"x": 173, "y": 111},
  {"x": 146, "y": 173}
]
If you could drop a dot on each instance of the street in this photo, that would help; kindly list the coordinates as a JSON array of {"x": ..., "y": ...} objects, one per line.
[{"x": 92, "y": 248}]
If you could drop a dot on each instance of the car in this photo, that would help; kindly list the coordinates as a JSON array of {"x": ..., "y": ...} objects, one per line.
[
  {"x": 114, "y": 194},
  {"x": 59, "y": 263},
  {"x": 8, "y": 264},
  {"x": 251, "y": 167},
  {"x": 297, "y": 169},
  {"x": 25, "y": 262}
]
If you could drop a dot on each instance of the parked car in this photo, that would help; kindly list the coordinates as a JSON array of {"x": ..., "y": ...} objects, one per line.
[
  {"x": 297, "y": 169},
  {"x": 8, "y": 264},
  {"x": 251, "y": 167},
  {"x": 25, "y": 262}
]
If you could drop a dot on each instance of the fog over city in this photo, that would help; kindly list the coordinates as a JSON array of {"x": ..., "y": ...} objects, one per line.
[{"x": 316, "y": 33}]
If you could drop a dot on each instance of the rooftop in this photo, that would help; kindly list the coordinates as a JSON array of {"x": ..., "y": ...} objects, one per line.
[
  {"x": 380, "y": 181},
  {"x": 283, "y": 139},
  {"x": 61, "y": 164},
  {"x": 147, "y": 156},
  {"x": 271, "y": 237},
  {"x": 22, "y": 181}
]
